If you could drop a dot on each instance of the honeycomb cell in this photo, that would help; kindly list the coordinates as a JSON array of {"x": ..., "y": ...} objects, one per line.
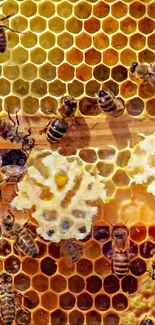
[
  {"x": 84, "y": 72},
  {"x": 4, "y": 87},
  {"x": 4, "y": 56},
  {"x": 92, "y": 25},
  {"x": 111, "y": 284},
  {"x": 57, "y": 88},
  {"x": 151, "y": 232},
  {"x": 110, "y": 57},
  {"x": 138, "y": 233},
  {"x": 58, "y": 317},
  {"x": 93, "y": 317},
  {"x": 47, "y": 72},
  {"x": 128, "y": 89},
  {"x": 107, "y": 248},
  {"x": 40, "y": 283},
  {"x": 76, "y": 284},
  {"x": 110, "y": 25},
  {"x": 66, "y": 72},
  {"x": 38, "y": 56},
  {"x": 84, "y": 267},
  {"x": 92, "y": 249},
  {"x": 5, "y": 248},
  {"x": 12, "y": 264},
  {"x": 147, "y": 249},
  {"x": 54, "y": 250},
  {"x": 107, "y": 153},
  {"x": 48, "y": 266},
  {"x": 41, "y": 317},
  {"x": 119, "y": 9},
  {"x": 112, "y": 86},
  {"x": 75, "y": 88},
  {"x": 30, "y": 266},
  {"x": 56, "y": 56},
  {"x": 128, "y": 57},
  {"x": 101, "y": 41},
  {"x": 129, "y": 284},
  {"x": 48, "y": 105},
  {"x": 120, "y": 178},
  {"x": 0, "y": 104},
  {"x": 88, "y": 155},
  {"x": 119, "y": 73},
  {"x": 47, "y": 40},
  {"x": 151, "y": 41},
  {"x": 93, "y": 284},
  {"x": 123, "y": 158},
  {"x": 146, "y": 26},
  {"x": 92, "y": 57},
  {"x": 29, "y": 39},
  {"x": 76, "y": 318},
  {"x": 151, "y": 10},
  {"x": 146, "y": 56},
  {"x": 74, "y": 25},
  {"x": 37, "y": 24},
  {"x": 21, "y": 282},
  {"x": 137, "y": 9},
  {"x": 135, "y": 106},
  {"x": 13, "y": 39},
  {"x": 92, "y": 88},
  {"x": 74, "y": 56},
  {"x": 105, "y": 169},
  {"x": 119, "y": 41},
  {"x": 65, "y": 40},
  {"x": 146, "y": 90},
  {"x": 84, "y": 301},
  {"x": 66, "y": 269},
  {"x": 10, "y": 7},
  {"x": 101, "y": 9},
  {"x": 19, "y": 23},
  {"x": 128, "y": 25},
  {"x": 101, "y": 233},
  {"x": 23, "y": 317},
  {"x": 67, "y": 301},
  {"x": 58, "y": 283},
  {"x": 30, "y": 105},
  {"x": 11, "y": 72},
  {"x": 19, "y": 55},
  {"x": 13, "y": 103},
  {"x": 49, "y": 300},
  {"x": 119, "y": 302},
  {"x": 21, "y": 87},
  {"x": 29, "y": 71},
  {"x": 138, "y": 266},
  {"x": 39, "y": 87},
  {"x": 42, "y": 249},
  {"x": 101, "y": 72},
  {"x": 102, "y": 266},
  {"x": 111, "y": 319},
  {"x": 83, "y": 41},
  {"x": 88, "y": 106},
  {"x": 28, "y": 8},
  {"x": 56, "y": 25},
  {"x": 31, "y": 300},
  {"x": 46, "y": 9},
  {"x": 64, "y": 9},
  {"x": 82, "y": 10}
]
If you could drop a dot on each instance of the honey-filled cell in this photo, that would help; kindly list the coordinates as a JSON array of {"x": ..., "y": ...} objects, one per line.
[
  {"x": 10, "y": 7},
  {"x": 92, "y": 25},
  {"x": 76, "y": 284},
  {"x": 151, "y": 10},
  {"x": 67, "y": 301},
  {"x": 135, "y": 106},
  {"x": 151, "y": 41},
  {"x": 101, "y": 9},
  {"x": 40, "y": 316},
  {"x": 49, "y": 300},
  {"x": 146, "y": 56},
  {"x": 76, "y": 318},
  {"x": 137, "y": 9},
  {"x": 111, "y": 284},
  {"x": 102, "y": 302},
  {"x": 28, "y": 8},
  {"x": 119, "y": 41},
  {"x": 84, "y": 267},
  {"x": 31, "y": 300},
  {"x": 93, "y": 317},
  {"x": 119, "y": 9},
  {"x": 82, "y": 10},
  {"x": 111, "y": 319},
  {"x": 84, "y": 301}
]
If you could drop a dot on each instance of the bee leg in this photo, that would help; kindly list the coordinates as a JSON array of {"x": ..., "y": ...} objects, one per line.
[
  {"x": 12, "y": 30},
  {"x": 45, "y": 128},
  {"x": 10, "y": 118},
  {"x": 6, "y": 17},
  {"x": 17, "y": 122}
]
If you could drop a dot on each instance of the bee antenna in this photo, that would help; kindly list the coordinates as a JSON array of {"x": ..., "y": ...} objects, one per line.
[{"x": 11, "y": 213}]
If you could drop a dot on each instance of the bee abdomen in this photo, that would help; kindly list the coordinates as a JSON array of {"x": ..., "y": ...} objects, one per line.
[
  {"x": 2, "y": 41},
  {"x": 120, "y": 263},
  {"x": 27, "y": 245},
  {"x": 8, "y": 312},
  {"x": 56, "y": 130},
  {"x": 108, "y": 105}
]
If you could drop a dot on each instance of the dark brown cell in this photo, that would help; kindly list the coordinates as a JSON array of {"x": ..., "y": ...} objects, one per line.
[
  {"x": 111, "y": 319},
  {"x": 58, "y": 283},
  {"x": 40, "y": 316},
  {"x": 31, "y": 300},
  {"x": 102, "y": 302},
  {"x": 54, "y": 250},
  {"x": 111, "y": 284},
  {"x": 84, "y": 301},
  {"x": 101, "y": 233},
  {"x": 101, "y": 72},
  {"x": 92, "y": 25},
  {"x": 135, "y": 106},
  {"x": 22, "y": 282},
  {"x": 138, "y": 233},
  {"x": 107, "y": 249},
  {"x": 30, "y": 265},
  {"x": 48, "y": 266},
  {"x": 67, "y": 301},
  {"x": 23, "y": 317},
  {"x": 119, "y": 302},
  {"x": 5, "y": 248},
  {"x": 93, "y": 284},
  {"x": 102, "y": 266},
  {"x": 146, "y": 56},
  {"x": 119, "y": 9},
  {"x": 129, "y": 284},
  {"x": 58, "y": 317},
  {"x": 137, "y": 9},
  {"x": 42, "y": 249},
  {"x": 88, "y": 106},
  {"x": 113, "y": 86},
  {"x": 66, "y": 269},
  {"x": 88, "y": 155},
  {"x": 147, "y": 249},
  {"x": 93, "y": 318},
  {"x": 12, "y": 264},
  {"x": 76, "y": 318},
  {"x": 76, "y": 284},
  {"x": 84, "y": 267},
  {"x": 146, "y": 26},
  {"x": 49, "y": 300},
  {"x": 101, "y": 9},
  {"x": 92, "y": 88},
  {"x": 151, "y": 232},
  {"x": 92, "y": 57},
  {"x": 40, "y": 283},
  {"x": 133, "y": 249},
  {"x": 119, "y": 73},
  {"x": 138, "y": 267},
  {"x": 150, "y": 107}
]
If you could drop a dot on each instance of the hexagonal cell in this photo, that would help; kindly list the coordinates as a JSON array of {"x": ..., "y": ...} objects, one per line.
[
  {"x": 54, "y": 250},
  {"x": 19, "y": 55},
  {"x": 111, "y": 319},
  {"x": 119, "y": 73},
  {"x": 47, "y": 40},
  {"x": 4, "y": 87},
  {"x": 83, "y": 41},
  {"x": 151, "y": 41},
  {"x": 65, "y": 40},
  {"x": 46, "y": 9},
  {"x": 13, "y": 39},
  {"x": 38, "y": 56},
  {"x": 40, "y": 283},
  {"x": 39, "y": 87},
  {"x": 75, "y": 88},
  {"x": 111, "y": 284},
  {"x": 67, "y": 301},
  {"x": 101, "y": 233},
  {"x": 128, "y": 57},
  {"x": 93, "y": 317},
  {"x": 57, "y": 88},
  {"x": 101, "y": 9},
  {"x": 146, "y": 249},
  {"x": 84, "y": 301},
  {"x": 146, "y": 25},
  {"x": 92, "y": 88},
  {"x": 146, "y": 56},
  {"x": 101, "y": 41},
  {"x": 21, "y": 282},
  {"x": 64, "y": 9},
  {"x": 76, "y": 318},
  {"x": 92, "y": 25},
  {"x": 58, "y": 317},
  {"x": 138, "y": 267},
  {"x": 119, "y": 302},
  {"x": 101, "y": 72},
  {"x": 37, "y": 24},
  {"x": 40, "y": 316},
  {"x": 49, "y": 300},
  {"x": 110, "y": 25},
  {"x": 58, "y": 283},
  {"x": 119, "y": 9},
  {"x": 13, "y": 103},
  {"x": 84, "y": 267},
  {"x": 135, "y": 106},
  {"x": 10, "y": 7},
  {"x": 82, "y": 10},
  {"x": 105, "y": 169},
  {"x": 30, "y": 105},
  {"x": 29, "y": 39},
  {"x": 92, "y": 57},
  {"x": 123, "y": 158},
  {"x": 48, "y": 105},
  {"x": 138, "y": 233},
  {"x": 47, "y": 72},
  {"x": 66, "y": 269},
  {"x": 48, "y": 266},
  {"x": 29, "y": 72},
  {"x": 5, "y": 248},
  {"x": 107, "y": 153},
  {"x": 74, "y": 56},
  {"x": 76, "y": 284},
  {"x": 56, "y": 25},
  {"x": 21, "y": 87},
  {"x": 128, "y": 89},
  {"x": 4, "y": 56},
  {"x": 110, "y": 57},
  {"x": 56, "y": 56},
  {"x": 28, "y": 8},
  {"x": 23, "y": 317},
  {"x": 65, "y": 72},
  {"x": 102, "y": 302},
  {"x": 128, "y": 25},
  {"x": 84, "y": 72},
  {"x": 146, "y": 90},
  {"x": 120, "y": 178},
  {"x": 88, "y": 155},
  {"x": 129, "y": 284},
  {"x": 92, "y": 249},
  {"x": 19, "y": 23},
  {"x": 151, "y": 10},
  {"x": 119, "y": 41},
  {"x": 151, "y": 232},
  {"x": 112, "y": 86},
  {"x": 137, "y": 9},
  {"x": 12, "y": 264},
  {"x": 88, "y": 106},
  {"x": 31, "y": 300},
  {"x": 30, "y": 265},
  {"x": 11, "y": 72},
  {"x": 74, "y": 25},
  {"x": 93, "y": 284}
]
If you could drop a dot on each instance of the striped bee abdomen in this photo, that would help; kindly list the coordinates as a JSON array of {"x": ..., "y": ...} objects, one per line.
[
  {"x": 107, "y": 103},
  {"x": 56, "y": 130},
  {"x": 2, "y": 40},
  {"x": 26, "y": 244},
  {"x": 120, "y": 262},
  {"x": 8, "y": 308}
]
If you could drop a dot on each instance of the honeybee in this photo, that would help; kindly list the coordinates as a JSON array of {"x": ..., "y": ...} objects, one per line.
[
  {"x": 57, "y": 128},
  {"x": 11, "y": 133},
  {"x": 71, "y": 250},
  {"x": 146, "y": 321},
  {"x": 24, "y": 241},
  {"x": 12, "y": 174},
  {"x": 109, "y": 104},
  {"x": 3, "y": 42},
  {"x": 120, "y": 255},
  {"x": 144, "y": 71}
]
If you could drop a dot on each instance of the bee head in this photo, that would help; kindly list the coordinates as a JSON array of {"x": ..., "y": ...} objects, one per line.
[
  {"x": 133, "y": 67},
  {"x": 102, "y": 93},
  {"x": 69, "y": 101},
  {"x": 28, "y": 143},
  {"x": 119, "y": 233}
]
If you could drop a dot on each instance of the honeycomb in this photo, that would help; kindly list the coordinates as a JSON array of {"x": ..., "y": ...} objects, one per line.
[{"x": 73, "y": 47}]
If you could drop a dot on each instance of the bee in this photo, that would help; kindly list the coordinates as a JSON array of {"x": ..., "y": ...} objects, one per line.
[
  {"x": 11, "y": 174},
  {"x": 11, "y": 132},
  {"x": 109, "y": 104},
  {"x": 57, "y": 128},
  {"x": 24, "y": 241},
  {"x": 71, "y": 250},
  {"x": 144, "y": 71},
  {"x": 120, "y": 255},
  {"x": 3, "y": 42},
  {"x": 146, "y": 321}
]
